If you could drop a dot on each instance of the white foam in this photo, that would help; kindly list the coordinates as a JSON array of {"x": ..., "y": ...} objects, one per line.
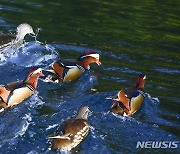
[
  {"x": 53, "y": 126},
  {"x": 25, "y": 126},
  {"x": 154, "y": 100},
  {"x": 64, "y": 151},
  {"x": 35, "y": 100},
  {"x": 29, "y": 54}
]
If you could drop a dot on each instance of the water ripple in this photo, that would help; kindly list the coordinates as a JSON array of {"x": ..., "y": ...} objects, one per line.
[
  {"x": 122, "y": 69},
  {"x": 8, "y": 8},
  {"x": 166, "y": 70}
]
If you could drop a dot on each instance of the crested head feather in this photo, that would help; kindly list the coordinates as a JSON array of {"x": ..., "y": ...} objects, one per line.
[
  {"x": 95, "y": 55},
  {"x": 30, "y": 74},
  {"x": 38, "y": 70},
  {"x": 33, "y": 71},
  {"x": 89, "y": 54},
  {"x": 33, "y": 76}
]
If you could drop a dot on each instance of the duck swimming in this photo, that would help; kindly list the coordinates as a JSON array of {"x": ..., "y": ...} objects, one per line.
[
  {"x": 64, "y": 72},
  {"x": 15, "y": 92},
  {"x": 72, "y": 131},
  {"x": 129, "y": 100},
  {"x": 12, "y": 40}
]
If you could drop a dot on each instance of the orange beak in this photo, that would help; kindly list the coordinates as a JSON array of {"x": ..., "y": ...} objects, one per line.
[
  {"x": 41, "y": 74},
  {"x": 98, "y": 62}
]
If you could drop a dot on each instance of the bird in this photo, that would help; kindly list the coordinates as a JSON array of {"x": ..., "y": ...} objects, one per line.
[
  {"x": 72, "y": 131},
  {"x": 130, "y": 100},
  {"x": 12, "y": 40},
  {"x": 15, "y": 92},
  {"x": 64, "y": 72}
]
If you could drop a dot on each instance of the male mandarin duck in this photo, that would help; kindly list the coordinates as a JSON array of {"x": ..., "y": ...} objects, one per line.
[
  {"x": 63, "y": 72},
  {"x": 129, "y": 100},
  {"x": 12, "y": 40},
  {"x": 15, "y": 92},
  {"x": 71, "y": 132}
]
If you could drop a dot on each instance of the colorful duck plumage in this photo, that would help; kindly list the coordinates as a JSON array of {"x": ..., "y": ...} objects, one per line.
[
  {"x": 16, "y": 92},
  {"x": 71, "y": 132},
  {"x": 63, "y": 72},
  {"x": 129, "y": 100}
]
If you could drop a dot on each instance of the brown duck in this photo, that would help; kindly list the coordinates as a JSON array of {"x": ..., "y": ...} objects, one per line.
[
  {"x": 71, "y": 132},
  {"x": 15, "y": 92},
  {"x": 129, "y": 100}
]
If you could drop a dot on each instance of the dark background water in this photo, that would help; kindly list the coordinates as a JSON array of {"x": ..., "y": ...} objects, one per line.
[{"x": 131, "y": 37}]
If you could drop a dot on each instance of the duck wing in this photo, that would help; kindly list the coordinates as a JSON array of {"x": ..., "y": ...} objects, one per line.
[
  {"x": 130, "y": 92},
  {"x": 11, "y": 86},
  {"x": 70, "y": 128}
]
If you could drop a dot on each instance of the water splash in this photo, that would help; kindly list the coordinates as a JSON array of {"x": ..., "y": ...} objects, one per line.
[
  {"x": 51, "y": 126},
  {"x": 35, "y": 101},
  {"x": 26, "y": 119},
  {"x": 30, "y": 54}
]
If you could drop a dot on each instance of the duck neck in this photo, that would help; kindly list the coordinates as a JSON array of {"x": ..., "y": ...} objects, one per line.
[
  {"x": 33, "y": 80},
  {"x": 140, "y": 85},
  {"x": 86, "y": 62}
]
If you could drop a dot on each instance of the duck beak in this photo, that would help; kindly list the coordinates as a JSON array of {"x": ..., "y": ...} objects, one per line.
[
  {"x": 98, "y": 62},
  {"x": 41, "y": 74}
]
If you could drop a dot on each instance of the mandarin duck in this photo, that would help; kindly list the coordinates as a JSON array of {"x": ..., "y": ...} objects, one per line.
[
  {"x": 12, "y": 40},
  {"x": 63, "y": 72},
  {"x": 129, "y": 100},
  {"x": 72, "y": 131},
  {"x": 15, "y": 92}
]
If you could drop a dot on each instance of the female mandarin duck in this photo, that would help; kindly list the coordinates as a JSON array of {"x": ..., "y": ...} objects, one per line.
[
  {"x": 63, "y": 72},
  {"x": 72, "y": 132},
  {"x": 129, "y": 100},
  {"x": 11, "y": 40},
  {"x": 15, "y": 92}
]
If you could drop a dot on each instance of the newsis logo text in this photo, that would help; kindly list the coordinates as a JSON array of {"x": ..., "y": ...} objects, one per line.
[{"x": 157, "y": 144}]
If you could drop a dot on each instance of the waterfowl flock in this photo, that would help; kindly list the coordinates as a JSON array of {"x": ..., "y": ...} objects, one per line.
[{"x": 73, "y": 131}]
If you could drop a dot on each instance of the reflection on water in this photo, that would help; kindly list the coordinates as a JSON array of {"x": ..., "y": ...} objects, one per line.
[{"x": 131, "y": 37}]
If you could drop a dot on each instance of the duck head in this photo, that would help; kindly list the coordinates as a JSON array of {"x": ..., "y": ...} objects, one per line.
[
  {"x": 140, "y": 82},
  {"x": 33, "y": 76},
  {"x": 88, "y": 58},
  {"x": 23, "y": 30},
  {"x": 83, "y": 113}
]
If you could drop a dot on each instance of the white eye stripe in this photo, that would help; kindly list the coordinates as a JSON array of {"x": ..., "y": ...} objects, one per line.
[
  {"x": 95, "y": 55},
  {"x": 39, "y": 70}
]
